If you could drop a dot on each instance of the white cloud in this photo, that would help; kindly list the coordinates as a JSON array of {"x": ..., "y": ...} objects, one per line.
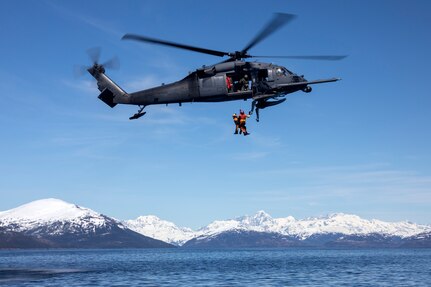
[
  {"x": 103, "y": 26},
  {"x": 250, "y": 155},
  {"x": 141, "y": 83},
  {"x": 378, "y": 182},
  {"x": 100, "y": 25},
  {"x": 86, "y": 86},
  {"x": 266, "y": 141}
]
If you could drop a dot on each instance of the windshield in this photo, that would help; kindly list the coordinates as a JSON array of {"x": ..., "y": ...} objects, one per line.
[{"x": 282, "y": 71}]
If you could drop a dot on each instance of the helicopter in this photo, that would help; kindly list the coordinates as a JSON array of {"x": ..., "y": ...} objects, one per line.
[{"x": 266, "y": 84}]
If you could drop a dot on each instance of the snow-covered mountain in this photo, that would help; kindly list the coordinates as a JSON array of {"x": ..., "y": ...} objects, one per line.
[
  {"x": 154, "y": 227},
  {"x": 335, "y": 223},
  {"x": 351, "y": 224},
  {"x": 55, "y": 223},
  {"x": 59, "y": 215},
  {"x": 338, "y": 223},
  {"x": 261, "y": 230}
]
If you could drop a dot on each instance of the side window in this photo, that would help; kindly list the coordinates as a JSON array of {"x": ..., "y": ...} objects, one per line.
[
  {"x": 212, "y": 86},
  {"x": 263, "y": 75},
  {"x": 270, "y": 75}
]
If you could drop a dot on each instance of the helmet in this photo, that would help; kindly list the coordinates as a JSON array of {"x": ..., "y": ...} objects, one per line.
[
  {"x": 246, "y": 76},
  {"x": 241, "y": 111}
]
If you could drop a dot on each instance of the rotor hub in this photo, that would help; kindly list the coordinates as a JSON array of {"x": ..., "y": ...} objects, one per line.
[{"x": 96, "y": 69}]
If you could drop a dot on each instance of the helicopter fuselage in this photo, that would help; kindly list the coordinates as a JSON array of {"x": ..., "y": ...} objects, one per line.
[
  {"x": 265, "y": 83},
  {"x": 232, "y": 79},
  {"x": 210, "y": 84}
]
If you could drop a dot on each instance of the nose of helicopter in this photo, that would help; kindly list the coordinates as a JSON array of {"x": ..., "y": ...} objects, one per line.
[
  {"x": 297, "y": 79},
  {"x": 300, "y": 79}
]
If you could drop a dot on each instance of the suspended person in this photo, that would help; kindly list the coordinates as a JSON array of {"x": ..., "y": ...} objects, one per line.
[
  {"x": 236, "y": 121},
  {"x": 242, "y": 120}
]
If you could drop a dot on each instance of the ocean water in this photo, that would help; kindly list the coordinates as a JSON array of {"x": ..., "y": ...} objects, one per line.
[{"x": 228, "y": 267}]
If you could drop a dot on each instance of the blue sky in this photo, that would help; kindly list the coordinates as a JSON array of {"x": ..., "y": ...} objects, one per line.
[{"x": 361, "y": 145}]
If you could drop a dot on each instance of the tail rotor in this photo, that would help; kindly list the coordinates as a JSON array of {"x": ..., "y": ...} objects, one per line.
[{"x": 96, "y": 68}]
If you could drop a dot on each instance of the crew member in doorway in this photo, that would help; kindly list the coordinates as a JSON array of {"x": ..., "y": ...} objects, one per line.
[
  {"x": 229, "y": 84},
  {"x": 243, "y": 83},
  {"x": 236, "y": 121},
  {"x": 242, "y": 120}
]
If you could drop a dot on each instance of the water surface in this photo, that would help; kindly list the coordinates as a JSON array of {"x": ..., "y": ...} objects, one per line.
[{"x": 228, "y": 267}]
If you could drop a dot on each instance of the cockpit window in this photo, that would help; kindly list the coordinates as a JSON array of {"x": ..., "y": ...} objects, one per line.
[
  {"x": 279, "y": 71},
  {"x": 288, "y": 72}
]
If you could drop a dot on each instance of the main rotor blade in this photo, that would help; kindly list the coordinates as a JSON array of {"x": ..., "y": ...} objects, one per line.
[
  {"x": 172, "y": 44},
  {"x": 320, "y": 57},
  {"x": 279, "y": 20},
  {"x": 94, "y": 54},
  {"x": 113, "y": 63},
  {"x": 79, "y": 70}
]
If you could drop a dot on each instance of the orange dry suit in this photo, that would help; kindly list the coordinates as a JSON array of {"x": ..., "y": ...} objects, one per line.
[
  {"x": 242, "y": 120},
  {"x": 236, "y": 121}
]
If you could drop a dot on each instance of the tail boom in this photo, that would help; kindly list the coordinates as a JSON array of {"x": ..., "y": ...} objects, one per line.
[{"x": 111, "y": 94}]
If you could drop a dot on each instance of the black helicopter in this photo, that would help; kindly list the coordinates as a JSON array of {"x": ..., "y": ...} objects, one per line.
[{"x": 233, "y": 79}]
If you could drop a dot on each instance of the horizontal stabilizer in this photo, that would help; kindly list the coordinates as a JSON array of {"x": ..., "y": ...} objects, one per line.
[{"x": 107, "y": 97}]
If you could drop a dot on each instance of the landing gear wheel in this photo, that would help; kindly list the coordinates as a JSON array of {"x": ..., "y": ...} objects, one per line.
[{"x": 138, "y": 114}]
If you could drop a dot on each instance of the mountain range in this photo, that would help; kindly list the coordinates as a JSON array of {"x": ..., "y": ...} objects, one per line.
[
  {"x": 53, "y": 223},
  {"x": 261, "y": 230}
]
